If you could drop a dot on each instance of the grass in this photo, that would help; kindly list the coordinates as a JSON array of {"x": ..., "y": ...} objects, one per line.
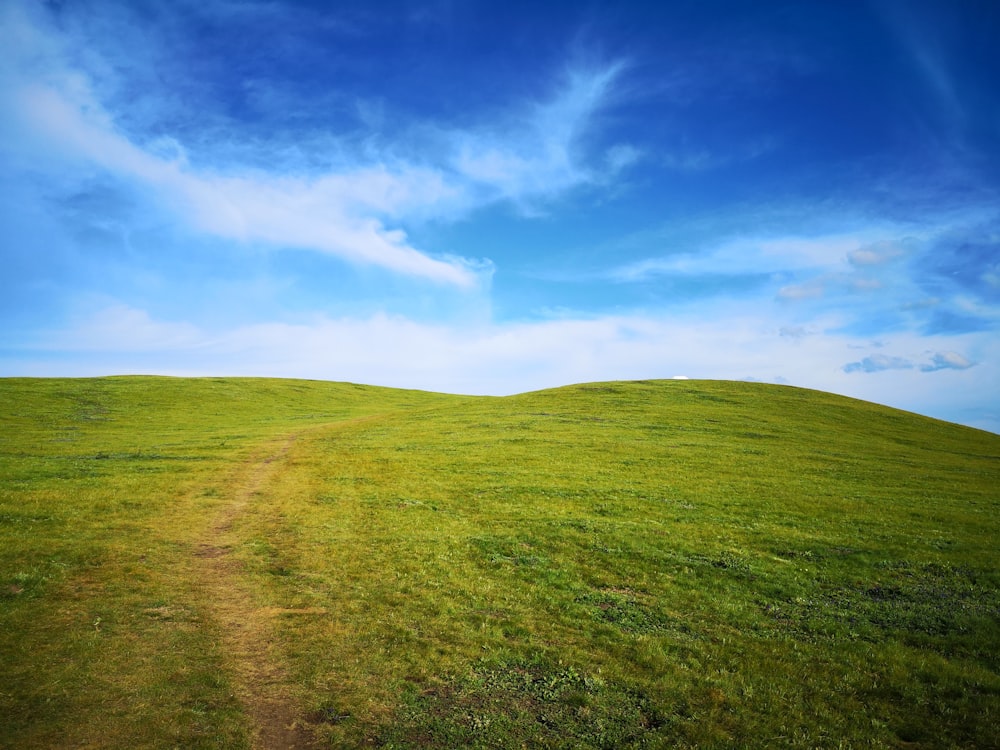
[{"x": 647, "y": 564}]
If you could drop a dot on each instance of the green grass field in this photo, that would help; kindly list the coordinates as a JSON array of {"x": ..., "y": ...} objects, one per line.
[{"x": 232, "y": 563}]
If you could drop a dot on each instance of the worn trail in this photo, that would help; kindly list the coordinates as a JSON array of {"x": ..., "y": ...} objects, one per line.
[{"x": 252, "y": 653}]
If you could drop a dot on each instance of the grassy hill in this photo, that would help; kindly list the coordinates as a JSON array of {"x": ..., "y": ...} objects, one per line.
[{"x": 228, "y": 563}]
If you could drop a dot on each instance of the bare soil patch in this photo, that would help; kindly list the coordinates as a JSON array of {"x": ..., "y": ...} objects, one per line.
[{"x": 252, "y": 652}]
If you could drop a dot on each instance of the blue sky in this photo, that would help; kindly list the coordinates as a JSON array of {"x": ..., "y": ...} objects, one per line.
[{"x": 489, "y": 198}]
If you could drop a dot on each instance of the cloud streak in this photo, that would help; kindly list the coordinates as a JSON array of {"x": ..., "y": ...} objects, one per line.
[
  {"x": 533, "y": 156},
  {"x": 499, "y": 359},
  {"x": 947, "y": 361},
  {"x": 879, "y": 363},
  {"x": 756, "y": 254},
  {"x": 356, "y": 212},
  {"x": 337, "y": 214},
  {"x": 883, "y": 362}
]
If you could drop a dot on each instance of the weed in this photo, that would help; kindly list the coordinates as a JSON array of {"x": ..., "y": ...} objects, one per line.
[{"x": 513, "y": 702}]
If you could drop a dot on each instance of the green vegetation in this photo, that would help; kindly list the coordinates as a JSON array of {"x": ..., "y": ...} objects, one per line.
[{"x": 648, "y": 564}]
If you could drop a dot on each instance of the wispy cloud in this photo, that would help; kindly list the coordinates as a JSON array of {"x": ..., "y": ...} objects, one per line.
[
  {"x": 128, "y": 329},
  {"x": 394, "y": 350},
  {"x": 878, "y": 253},
  {"x": 534, "y": 154},
  {"x": 879, "y": 363},
  {"x": 883, "y": 362},
  {"x": 355, "y": 212},
  {"x": 947, "y": 361},
  {"x": 492, "y": 358},
  {"x": 750, "y": 254},
  {"x": 338, "y": 213},
  {"x": 921, "y": 33}
]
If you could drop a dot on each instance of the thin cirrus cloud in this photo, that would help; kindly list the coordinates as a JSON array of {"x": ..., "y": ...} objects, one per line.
[
  {"x": 879, "y": 363},
  {"x": 397, "y": 351},
  {"x": 337, "y": 214},
  {"x": 883, "y": 362},
  {"x": 348, "y": 212},
  {"x": 765, "y": 254},
  {"x": 535, "y": 158},
  {"x": 947, "y": 361},
  {"x": 504, "y": 358}
]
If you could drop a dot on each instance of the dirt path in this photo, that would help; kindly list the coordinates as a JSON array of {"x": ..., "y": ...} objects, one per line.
[{"x": 253, "y": 657}]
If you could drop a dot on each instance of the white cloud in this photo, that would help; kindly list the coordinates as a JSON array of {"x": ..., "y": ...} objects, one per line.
[
  {"x": 121, "y": 328},
  {"x": 877, "y": 253},
  {"x": 810, "y": 290},
  {"x": 355, "y": 211},
  {"x": 533, "y": 154},
  {"x": 620, "y": 156},
  {"x": 338, "y": 213},
  {"x": 947, "y": 361},
  {"x": 483, "y": 358},
  {"x": 879, "y": 363},
  {"x": 758, "y": 255},
  {"x": 794, "y": 332},
  {"x": 863, "y": 284}
]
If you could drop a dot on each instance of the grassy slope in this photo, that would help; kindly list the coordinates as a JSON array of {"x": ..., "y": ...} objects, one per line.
[
  {"x": 105, "y": 487},
  {"x": 661, "y": 563}
]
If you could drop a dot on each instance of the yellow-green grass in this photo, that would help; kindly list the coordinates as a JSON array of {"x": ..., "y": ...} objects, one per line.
[
  {"x": 105, "y": 487},
  {"x": 647, "y": 564}
]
